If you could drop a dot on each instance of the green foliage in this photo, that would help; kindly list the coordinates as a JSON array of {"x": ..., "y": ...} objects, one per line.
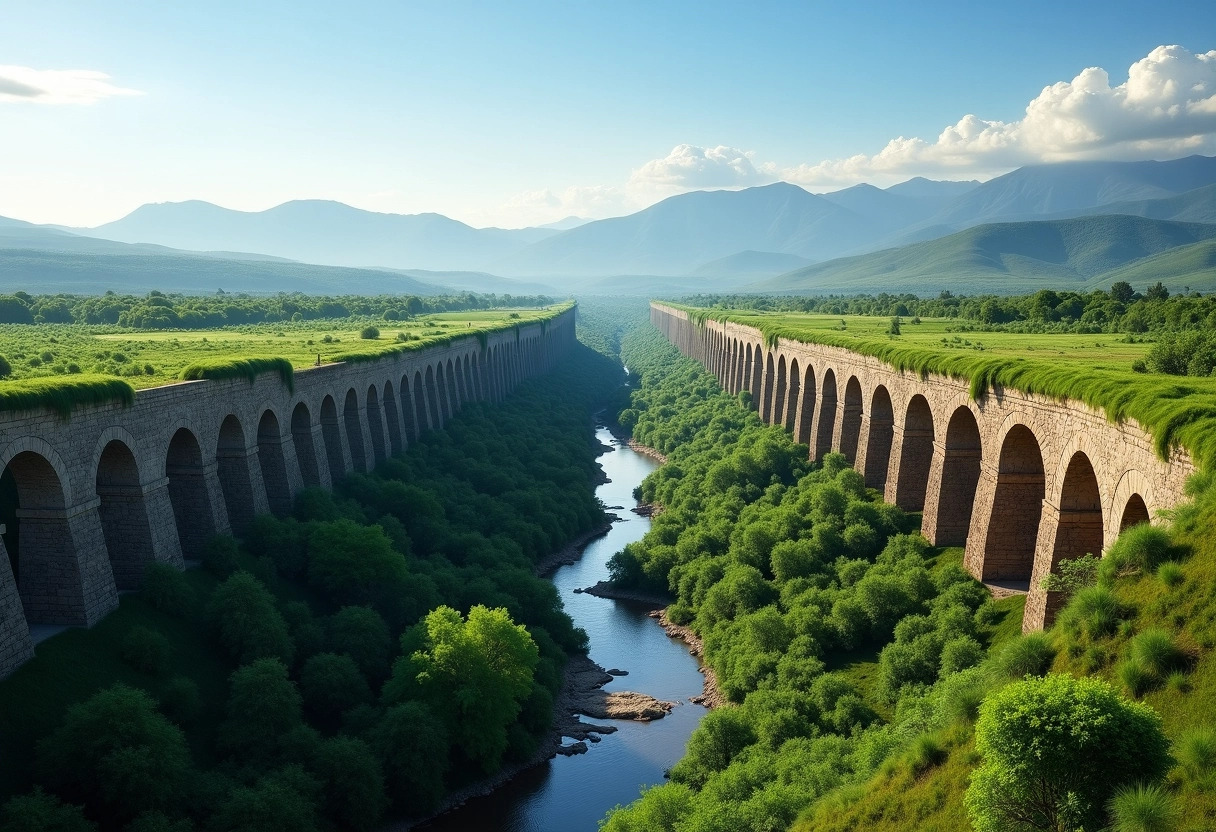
[
  {"x": 412, "y": 743},
  {"x": 246, "y": 368},
  {"x": 62, "y": 396},
  {"x": 354, "y": 564},
  {"x": 331, "y": 684},
  {"x": 146, "y": 650},
  {"x": 263, "y": 706},
  {"x": 1195, "y": 750},
  {"x": 1056, "y": 749},
  {"x": 474, "y": 673},
  {"x": 221, "y": 556},
  {"x": 369, "y": 333},
  {"x": 1072, "y": 574},
  {"x": 1141, "y": 548},
  {"x": 116, "y": 754},
  {"x": 243, "y": 613},
  {"x": 166, "y": 588},
  {"x": 180, "y": 700},
  {"x": 42, "y": 812},
  {"x": 284, "y": 800},
  {"x": 352, "y": 785},
  {"x": 1152, "y": 656},
  {"x": 362, "y": 634}
]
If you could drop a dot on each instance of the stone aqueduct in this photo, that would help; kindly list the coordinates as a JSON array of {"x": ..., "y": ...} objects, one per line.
[
  {"x": 1022, "y": 481},
  {"x": 113, "y": 489}
]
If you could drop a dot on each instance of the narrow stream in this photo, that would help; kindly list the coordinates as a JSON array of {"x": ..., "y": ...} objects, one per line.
[{"x": 572, "y": 794}]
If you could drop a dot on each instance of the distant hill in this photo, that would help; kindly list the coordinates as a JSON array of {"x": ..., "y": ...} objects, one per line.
[
  {"x": 680, "y": 233},
  {"x": 1198, "y": 205},
  {"x": 61, "y": 271},
  {"x": 1001, "y": 257},
  {"x": 1036, "y": 191},
  {"x": 1192, "y": 266},
  {"x": 900, "y": 205},
  {"x": 321, "y": 231},
  {"x": 754, "y": 264}
]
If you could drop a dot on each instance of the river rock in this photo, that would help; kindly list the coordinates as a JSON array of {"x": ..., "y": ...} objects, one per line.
[
  {"x": 624, "y": 704},
  {"x": 617, "y": 672}
]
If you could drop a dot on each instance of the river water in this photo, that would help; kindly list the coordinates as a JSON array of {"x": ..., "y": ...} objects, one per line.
[{"x": 571, "y": 794}]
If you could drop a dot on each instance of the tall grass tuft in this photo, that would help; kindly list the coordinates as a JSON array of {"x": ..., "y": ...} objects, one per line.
[
  {"x": 62, "y": 396},
  {"x": 1155, "y": 651},
  {"x": 1030, "y": 655},
  {"x": 1142, "y": 808},
  {"x": 1141, "y": 548},
  {"x": 1093, "y": 611},
  {"x": 1195, "y": 750}
]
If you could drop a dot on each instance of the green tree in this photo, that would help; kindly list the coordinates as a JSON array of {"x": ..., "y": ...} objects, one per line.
[
  {"x": 1056, "y": 749},
  {"x": 249, "y": 625},
  {"x": 412, "y": 745},
  {"x": 1122, "y": 291},
  {"x": 263, "y": 705},
  {"x": 362, "y": 634},
  {"x": 474, "y": 673},
  {"x": 353, "y": 563},
  {"x": 42, "y": 812},
  {"x": 116, "y": 752},
  {"x": 352, "y": 785},
  {"x": 330, "y": 684},
  {"x": 282, "y": 801}
]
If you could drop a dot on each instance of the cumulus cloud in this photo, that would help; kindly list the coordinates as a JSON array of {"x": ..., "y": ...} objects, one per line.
[
  {"x": 1167, "y": 106},
  {"x": 688, "y": 166},
  {"x": 57, "y": 86}
]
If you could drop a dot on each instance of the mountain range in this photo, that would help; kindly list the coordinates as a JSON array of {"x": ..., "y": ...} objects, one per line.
[{"x": 773, "y": 237}]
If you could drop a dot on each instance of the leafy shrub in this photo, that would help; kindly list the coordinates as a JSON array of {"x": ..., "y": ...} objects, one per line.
[
  {"x": 146, "y": 650},
  {"x": 42, "y": 812},
  {"x": 221, "y": 556},
  {"x": 263, "y": 706},
  {"x": 330, "y": 684},
  {"x": 1155, "y": 651},
  {"x": 1138, "y": 549},
  {"x": 1093, "y": 612},
  {"x": 362, "y": 634},
  {"x": 243, "y": 613},
  {"x": 1170, "y": 573},
  {"x": 369, "y": 333},
  {"x": 926, "y": 753}
]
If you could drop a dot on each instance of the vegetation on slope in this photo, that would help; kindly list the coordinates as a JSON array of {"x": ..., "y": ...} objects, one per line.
[
  {"x": 379, "y": 647},
  {"x": 62, "y": 396},
  {"x": 1176, "y": 412}
]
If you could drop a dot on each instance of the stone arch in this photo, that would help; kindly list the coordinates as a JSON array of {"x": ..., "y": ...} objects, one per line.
[
  {"x": 420, "y": 408},
  {"x": 273, "y": 464},
  {"x": 915, "y": 455},
  {"x": 393, "y": 419},
  {"x": 961, "y": 458},
  {"x": 37, "y": 535},
  {"x": 432, "y": 399},
  {"x": 375, "y": 425},
  {"x": 780, "y": 393},
  {"x": 1017, "y": 508},
  {"x": 746, "y": 376},
  {"x": 193, "y": 512},
  {"x": 1130, "y": 504},
  {"x": 331, "y": 432},
  {"x": 826, "y": 423},
  {"x": 880, "y": 436},
  {"x": 850, "y": 419},
  {"x": 236, "y": 481},
  {"x": 1079, "y": 529},
  {"x": 806, "y": 408},
  {"x": 453, "y": 390},
  {"x": 124, "y": 514},
  {"x": 790, "y": 418},
  {"x": 768, "y": 391},
  {"x": 306, "y": 449},
  {"x": 354, "y": 431}
]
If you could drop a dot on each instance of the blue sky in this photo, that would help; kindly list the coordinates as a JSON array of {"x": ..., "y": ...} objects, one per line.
[{"x": 515, "y": 113}]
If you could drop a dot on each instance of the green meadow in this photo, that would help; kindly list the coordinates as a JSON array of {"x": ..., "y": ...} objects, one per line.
[{"x": 145, "y": 358}]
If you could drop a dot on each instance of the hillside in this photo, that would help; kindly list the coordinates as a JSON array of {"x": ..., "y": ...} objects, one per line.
[
  {"x": 88, "y": 273},
  {"x": 1002, "y": 258},
  {"x": 321, "y": 231}
]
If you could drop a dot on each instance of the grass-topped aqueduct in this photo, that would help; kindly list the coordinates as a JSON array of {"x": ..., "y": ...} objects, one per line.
[
  {"x": 100, "y": 495},
  {"x": 1023, "y": 481}
]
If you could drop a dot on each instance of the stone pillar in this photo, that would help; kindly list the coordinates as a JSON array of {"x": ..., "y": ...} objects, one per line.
[
  {"x": 933, "y": 492},
  {"x": 65, "y": 571},
  {"x": 16, "y": 647},
  {"x": 166, "y": 547},
  {"x": 1041, "y": 605},
  {"x": 981, "y": 515},
  {"x": 127, "y": 532},
  {"x": 911, "y": 458},
  {"x": 322, "y": 458},
  {"x": 244, "y": 492}
]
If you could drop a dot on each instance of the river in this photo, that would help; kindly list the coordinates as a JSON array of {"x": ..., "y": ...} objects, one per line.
[{"x": 571, "y": 794}]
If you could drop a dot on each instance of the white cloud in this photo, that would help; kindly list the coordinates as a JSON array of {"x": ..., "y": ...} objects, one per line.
[
  {"x": 688, "y": 166},
  {"x": 591, "y": 201},
  {"x": 1166, "y": 107},
  {"x": 57, "y": 86}
]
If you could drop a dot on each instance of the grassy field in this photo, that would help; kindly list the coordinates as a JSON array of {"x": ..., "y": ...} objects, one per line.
[
  {"x": 1095, "y": 369},
  {"x": 151, "y": 358}
]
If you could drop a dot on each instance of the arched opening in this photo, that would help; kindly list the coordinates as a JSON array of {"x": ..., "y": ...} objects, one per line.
[
  {"x": 408, "y": 417},
  {"x": 827, "y": 416},
  {"x": 1017, "y": 508},
  {"x": 740, "y": 369},
  {"x": 274, "y": 465},
  {"x": 960, "y": 478},
  {"x": 1134, "y": 513},
  {"x": 790, "y": 417},
  {"x": 779, "y": 394},
  {"x": 235, "y": 481},
  {"x": 915, "y": 455},
  {"x": 878, "y": 442},
  {"x": 332, "y": 434},
  {"x": 394, "y": 420},
  {"x": 354, "y": 431},
  {"x": 768, "y": 391},
  {"x": 420, "y": 409},
  {"x": 806, "y": 407},
  {"x": 432, "y": 399},
  {"x": 39, "y": 542},
  {"x": 757, "y": 381},
  {"x": 306, "y": 451},
  {"x": 192, "y": 510},
  {"x": 123, "y": 515},
  {"x": 850, "y": 424},
  {"x": 453, "y": 390},
  {"x": 1080, "y": 528},
  {"x": 375, "y": 425}
]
